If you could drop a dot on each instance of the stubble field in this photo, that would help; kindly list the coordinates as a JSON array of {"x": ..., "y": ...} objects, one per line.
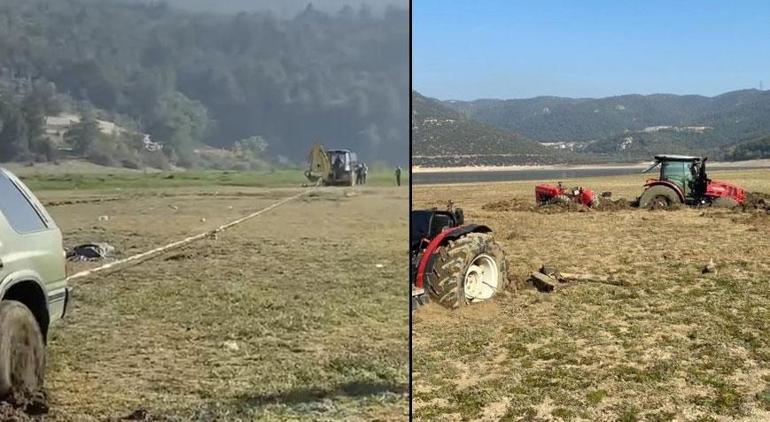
[
  {"x": 298, "y": 314},
  {"x": 662, "y": 341}
]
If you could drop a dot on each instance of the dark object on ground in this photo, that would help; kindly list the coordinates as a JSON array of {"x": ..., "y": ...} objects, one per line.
[
  {"x": 542, "y": 282},
  {"x": 24, "y": 407},
  {"x": 90, "y": 252},
  {"x": 140, "y": 414}
]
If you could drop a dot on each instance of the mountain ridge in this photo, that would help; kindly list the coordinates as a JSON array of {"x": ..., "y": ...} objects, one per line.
[
  {"x": 603, "y": 125},
  {"x": 442, "y": 136}
]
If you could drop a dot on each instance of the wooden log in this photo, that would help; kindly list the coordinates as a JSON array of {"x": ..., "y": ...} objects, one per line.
[{"x": 542, "y": 282}]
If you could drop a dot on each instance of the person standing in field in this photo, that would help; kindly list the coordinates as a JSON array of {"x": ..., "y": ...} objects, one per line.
[
  {"x": 365, "y": 171},
  {"x": 359, "y": 174},
  {"x": 398, "y": 176}
]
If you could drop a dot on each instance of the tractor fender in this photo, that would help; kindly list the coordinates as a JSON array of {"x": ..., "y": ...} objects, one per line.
[
  {"x": 679, "y": 193},
  {"x": 442, "y": 239}
]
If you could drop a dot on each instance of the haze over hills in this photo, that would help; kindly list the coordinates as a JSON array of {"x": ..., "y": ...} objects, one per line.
[
  {"x": 632, "y": 127},
  {"x": 282, "y": 8},
  {"x": 257, "y": 81},
  {"x": 442, "y": 136}
]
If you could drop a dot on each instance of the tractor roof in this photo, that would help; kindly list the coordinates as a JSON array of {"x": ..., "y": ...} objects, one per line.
[{"x": 667, "y": 157}]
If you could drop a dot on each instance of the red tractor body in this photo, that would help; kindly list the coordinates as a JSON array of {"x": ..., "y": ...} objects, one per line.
[
  {"x": 547, "y": 194},
  {"x": 719, "y": 189}
]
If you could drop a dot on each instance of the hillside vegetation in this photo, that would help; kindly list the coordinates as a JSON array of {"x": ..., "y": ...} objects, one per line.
[
  {"x": 191, "y": 80},
  {"x": 752, "y": 150},
  {"x": 633, "y": 126},
  {"x": 442, "y": 136}
]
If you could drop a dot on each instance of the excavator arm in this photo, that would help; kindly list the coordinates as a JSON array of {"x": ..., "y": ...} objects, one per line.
[{"x": 319, "y": 166}]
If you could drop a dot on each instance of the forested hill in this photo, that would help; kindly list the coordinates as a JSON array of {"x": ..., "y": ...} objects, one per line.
[
  {"x": 442, "y": 136},
  {"x": 189, "y": 79},
  {"x": 551, "y": 119}
]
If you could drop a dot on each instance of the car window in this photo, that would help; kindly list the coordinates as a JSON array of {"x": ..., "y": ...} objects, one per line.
[{"x": 16, "y": 208}]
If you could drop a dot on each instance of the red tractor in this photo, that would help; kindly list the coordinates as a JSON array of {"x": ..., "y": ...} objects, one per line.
[
  {"x": 683, "y": 180},
  {"x": 556, "y": 194},
  {"x": 453, "y": 263}
]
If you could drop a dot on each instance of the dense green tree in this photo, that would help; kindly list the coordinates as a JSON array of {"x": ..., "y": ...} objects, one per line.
[
  {"x": 253, "y": 147},
  {"x": 752, "y": 150},
  {"x": 14, "y": 140},
  {"x": 181, "y": 124},
  {"x": 83, "y": 134}
]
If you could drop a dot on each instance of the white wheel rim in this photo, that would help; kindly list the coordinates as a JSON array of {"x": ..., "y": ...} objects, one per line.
[{"x": 481, "y": 279}]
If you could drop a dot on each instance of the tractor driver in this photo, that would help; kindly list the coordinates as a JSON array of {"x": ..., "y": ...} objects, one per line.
[{"x": 698, "y": 182}]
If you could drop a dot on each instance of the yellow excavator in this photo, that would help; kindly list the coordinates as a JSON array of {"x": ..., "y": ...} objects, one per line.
[{"x": 334, "y": 167}]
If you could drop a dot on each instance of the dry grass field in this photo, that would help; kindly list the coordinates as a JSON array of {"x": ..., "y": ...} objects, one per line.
[
  {"x": 299, "y": 314},
  {"x": 662, "y": 342}
]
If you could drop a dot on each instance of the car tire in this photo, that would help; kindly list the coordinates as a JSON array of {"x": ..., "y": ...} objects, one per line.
[{"x": 22, "y": 351}]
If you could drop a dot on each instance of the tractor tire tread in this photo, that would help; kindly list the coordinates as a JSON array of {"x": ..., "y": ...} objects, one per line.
[{"x": 454, "y": 258}]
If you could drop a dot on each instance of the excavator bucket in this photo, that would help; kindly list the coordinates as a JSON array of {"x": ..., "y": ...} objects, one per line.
[{"x": 318, "y": 164}]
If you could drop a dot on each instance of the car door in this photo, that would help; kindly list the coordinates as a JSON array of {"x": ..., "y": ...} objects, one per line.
[{"x": 30, "y": 242}]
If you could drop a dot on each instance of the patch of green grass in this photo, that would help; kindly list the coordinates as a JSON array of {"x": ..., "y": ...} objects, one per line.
[
  {"x": 661, "y": 416},
  {"x": 724, "y": 400},
  {"x": 629, "y": 413},
  {"x": 595, "y": 397},
  {"x": 562, "y": 413},
  {"x": 763, "y": 397},
  {"x": 277, "y": 178},
  {"x": 470, "y": 402}
]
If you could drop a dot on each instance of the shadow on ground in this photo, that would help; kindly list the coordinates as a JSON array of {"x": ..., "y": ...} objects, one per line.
[{"x": 307, "y": 395}]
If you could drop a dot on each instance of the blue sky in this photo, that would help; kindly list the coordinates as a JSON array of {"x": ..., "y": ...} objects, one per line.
[{"x": 466, "y": 49}]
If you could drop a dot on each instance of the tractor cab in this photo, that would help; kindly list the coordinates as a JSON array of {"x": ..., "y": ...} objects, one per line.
[
  {"x": 427, "y": 224},
  {"x": 687, "y": 172},
  {"x": 341, "y": 159}
]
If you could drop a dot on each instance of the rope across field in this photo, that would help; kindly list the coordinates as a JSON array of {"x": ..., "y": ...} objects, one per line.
[{"x": 179, "y": 243}]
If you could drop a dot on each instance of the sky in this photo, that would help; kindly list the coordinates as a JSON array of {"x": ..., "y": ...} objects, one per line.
[{"x": 464, "y": 50}]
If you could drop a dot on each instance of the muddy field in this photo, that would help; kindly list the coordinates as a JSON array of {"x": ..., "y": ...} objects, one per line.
[
  {"x": 300, "y": 313},
  {"x": 663, "y": 341}
]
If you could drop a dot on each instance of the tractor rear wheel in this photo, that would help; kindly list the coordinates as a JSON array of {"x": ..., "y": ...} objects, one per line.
[
  {"x": 658, "y": 197},
  {"x": 470, "y": 269},
  {"x": 22, "y": 352}
]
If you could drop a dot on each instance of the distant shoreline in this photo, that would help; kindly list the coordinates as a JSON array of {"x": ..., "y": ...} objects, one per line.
[{"x": 642, "y": 165}]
